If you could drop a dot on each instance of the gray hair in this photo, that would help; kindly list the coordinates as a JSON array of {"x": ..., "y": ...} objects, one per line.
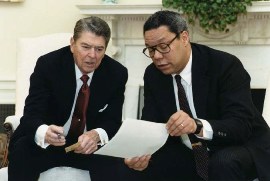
[
  {"x": 173, "y": 20},
  {"x": 95, "y": 25}
]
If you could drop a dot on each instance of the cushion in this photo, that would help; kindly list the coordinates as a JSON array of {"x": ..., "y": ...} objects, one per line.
[
  {"x": 55, "y": 174},
  {"x": 4, "y": 174},
  {"x": 65, "y": 174}
]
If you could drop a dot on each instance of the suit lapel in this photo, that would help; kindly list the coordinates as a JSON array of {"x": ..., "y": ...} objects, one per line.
[
  {"x": 165, "y": 89},
  {"x": 200, "y": 81},
  {"x": 99, "y": 89},
  {"x": 66, "y": 85}
]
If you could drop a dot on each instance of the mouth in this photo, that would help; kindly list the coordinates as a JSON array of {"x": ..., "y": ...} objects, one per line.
[
  {"x": 90, "y": 63},
  {"x": 163, "y": 66}
]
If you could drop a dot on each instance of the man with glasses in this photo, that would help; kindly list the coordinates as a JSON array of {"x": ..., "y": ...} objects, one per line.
[{"x": 203, "y": 96}]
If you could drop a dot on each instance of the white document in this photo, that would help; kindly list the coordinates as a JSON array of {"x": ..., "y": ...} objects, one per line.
[{"x": 135, "y": 138}]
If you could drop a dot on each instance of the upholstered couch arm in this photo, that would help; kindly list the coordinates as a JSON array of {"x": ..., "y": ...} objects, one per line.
[{"x": 10, "y": 124}]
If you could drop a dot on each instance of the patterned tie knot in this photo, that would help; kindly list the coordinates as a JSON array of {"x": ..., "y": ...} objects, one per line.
[
  {"x": 178, "y": 78},
  {"x": 184, "y": 106},
  {"x": 84, "y": 78}
]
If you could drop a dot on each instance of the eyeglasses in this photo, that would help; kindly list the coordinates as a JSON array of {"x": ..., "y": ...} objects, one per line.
[{"x": 161, "y": 48}]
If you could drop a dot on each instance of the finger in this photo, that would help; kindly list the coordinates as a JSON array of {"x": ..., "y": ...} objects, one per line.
[
  {"x": 135, "y": 162},
  {"x": 172, "y": 120},
  {"x": 87, "y": 149},
  {"x": 142, "y": 163},
  {"x": 82, "y": 148},
  {"x": 91, "y": 149},
  {"x": 52, "y": 134},
  {"x": 57, "y": 129},
  {"x": 177, "y": 128},
  {"x": 184, "y": 128},
  {"x": 131, "y": 161},
  {"x": 56, "y": 141},
  {"x": 177, "y": 132}
]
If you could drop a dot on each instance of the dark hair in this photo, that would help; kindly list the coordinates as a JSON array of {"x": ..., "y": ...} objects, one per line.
[
  {"x": 173, "y": 20},
  {"x": 95, "y": 25}
]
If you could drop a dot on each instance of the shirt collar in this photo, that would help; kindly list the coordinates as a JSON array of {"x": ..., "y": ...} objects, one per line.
[
  {"x": 186, "y": 72},
  {"x": 79, "y": 73}
]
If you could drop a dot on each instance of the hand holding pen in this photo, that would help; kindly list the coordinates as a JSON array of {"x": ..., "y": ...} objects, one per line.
[{"x": 55, "y": 136}]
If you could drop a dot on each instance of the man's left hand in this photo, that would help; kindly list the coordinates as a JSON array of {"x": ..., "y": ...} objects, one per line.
[
  {"x": 180, "y": 123},
  {"x": 88, "y": 142}
]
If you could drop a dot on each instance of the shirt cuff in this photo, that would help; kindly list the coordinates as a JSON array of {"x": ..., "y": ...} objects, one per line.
[
  {"x": 103, "y": 136},
  {"x": 40, "y": 136},
  {"x": 207, "y": 130}
]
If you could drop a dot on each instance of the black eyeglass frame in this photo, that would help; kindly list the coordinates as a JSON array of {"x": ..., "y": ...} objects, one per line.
[{"x": 155, "y": 48}]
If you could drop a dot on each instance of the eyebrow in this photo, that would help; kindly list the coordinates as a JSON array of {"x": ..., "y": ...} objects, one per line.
[
  {"x": 161, "y": 42},
  {"x": 86, "y": 44}
]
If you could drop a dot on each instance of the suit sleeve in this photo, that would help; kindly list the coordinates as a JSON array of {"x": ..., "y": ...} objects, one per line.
[
  {"x": 37, "y": 100},
  {"x": 235, "y": 112}
]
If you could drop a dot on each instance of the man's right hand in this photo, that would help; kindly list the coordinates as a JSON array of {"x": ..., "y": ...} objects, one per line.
[
  {"x": 55, "y": 136},
  {"x": 138, "y": 163}
]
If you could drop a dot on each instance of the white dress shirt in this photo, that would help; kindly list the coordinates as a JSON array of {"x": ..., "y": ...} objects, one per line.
[
  {"x": 41, "y": 131},
  {"x": 187, "y": 84}
]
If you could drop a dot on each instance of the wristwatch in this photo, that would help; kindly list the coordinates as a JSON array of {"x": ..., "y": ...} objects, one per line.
[{"x": 199, "y": 126}]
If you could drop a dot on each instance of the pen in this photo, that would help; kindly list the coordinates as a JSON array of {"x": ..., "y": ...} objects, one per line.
[{"x": 59, "y": 135}]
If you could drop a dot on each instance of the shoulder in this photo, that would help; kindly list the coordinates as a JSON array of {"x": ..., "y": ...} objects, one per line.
[
  {"x": 213, "y": 57},
  {"x": 56, "y": 61},
  {"x": 59, "y": 52},
  {"x": 111, "y": 65},
  {"x": 111, "y": 70},
  {"x": 203, "y": 50},
  {"x": 217, "y": 63},
  {"x": 58, "y": 55}
]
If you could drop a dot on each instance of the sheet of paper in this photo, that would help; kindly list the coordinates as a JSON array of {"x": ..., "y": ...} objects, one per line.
[{"x": 135, "y": 138}]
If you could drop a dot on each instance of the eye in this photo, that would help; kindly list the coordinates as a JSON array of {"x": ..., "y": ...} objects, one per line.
[
  {"x": 150, "y": 49},
  {"x": 99, "y": 49},
  {"x": 162, "y": 46},
  {"x": 85, "y": 47}
]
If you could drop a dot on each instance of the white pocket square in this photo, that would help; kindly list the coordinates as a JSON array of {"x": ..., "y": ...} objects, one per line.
[{"x": 101, "y": 110}]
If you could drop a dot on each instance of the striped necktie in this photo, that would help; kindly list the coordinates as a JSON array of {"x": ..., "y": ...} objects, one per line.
[{"x": 198, "y": 146}]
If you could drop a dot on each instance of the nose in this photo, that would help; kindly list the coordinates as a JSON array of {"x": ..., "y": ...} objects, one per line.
[
  {"x": 157, "y": 55},
  {"x": 91, "y": 52}
]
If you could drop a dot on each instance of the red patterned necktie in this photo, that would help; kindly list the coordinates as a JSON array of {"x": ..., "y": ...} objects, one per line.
[
  {"x": 198, "y": 146},
  {"x": 79, "y": 116}
]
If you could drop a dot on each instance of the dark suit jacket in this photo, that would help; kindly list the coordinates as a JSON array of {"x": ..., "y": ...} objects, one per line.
[
  {"x": 221, "y": 95},
  {"x": 52, "y": 92}
]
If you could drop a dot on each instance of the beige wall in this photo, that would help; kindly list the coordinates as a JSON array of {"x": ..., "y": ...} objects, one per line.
[
  {"x": 34, "y": 18},
  {"x": 31, "y": 18}
]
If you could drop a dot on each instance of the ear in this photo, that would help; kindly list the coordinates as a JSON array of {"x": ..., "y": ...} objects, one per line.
[
  {"x": 185, "y": 37},
  {"x": 72, "y": 44}
]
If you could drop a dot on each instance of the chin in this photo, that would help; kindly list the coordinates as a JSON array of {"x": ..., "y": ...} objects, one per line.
[{"x": 166, "y": 72}]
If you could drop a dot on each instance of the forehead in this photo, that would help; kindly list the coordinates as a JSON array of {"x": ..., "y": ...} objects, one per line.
[
  {"x": 87, "y": 37},
  {"x": 155, "y": 36}
]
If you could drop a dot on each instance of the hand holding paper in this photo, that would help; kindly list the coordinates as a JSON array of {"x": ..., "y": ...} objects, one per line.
[{"x": 135, "y": 138}]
